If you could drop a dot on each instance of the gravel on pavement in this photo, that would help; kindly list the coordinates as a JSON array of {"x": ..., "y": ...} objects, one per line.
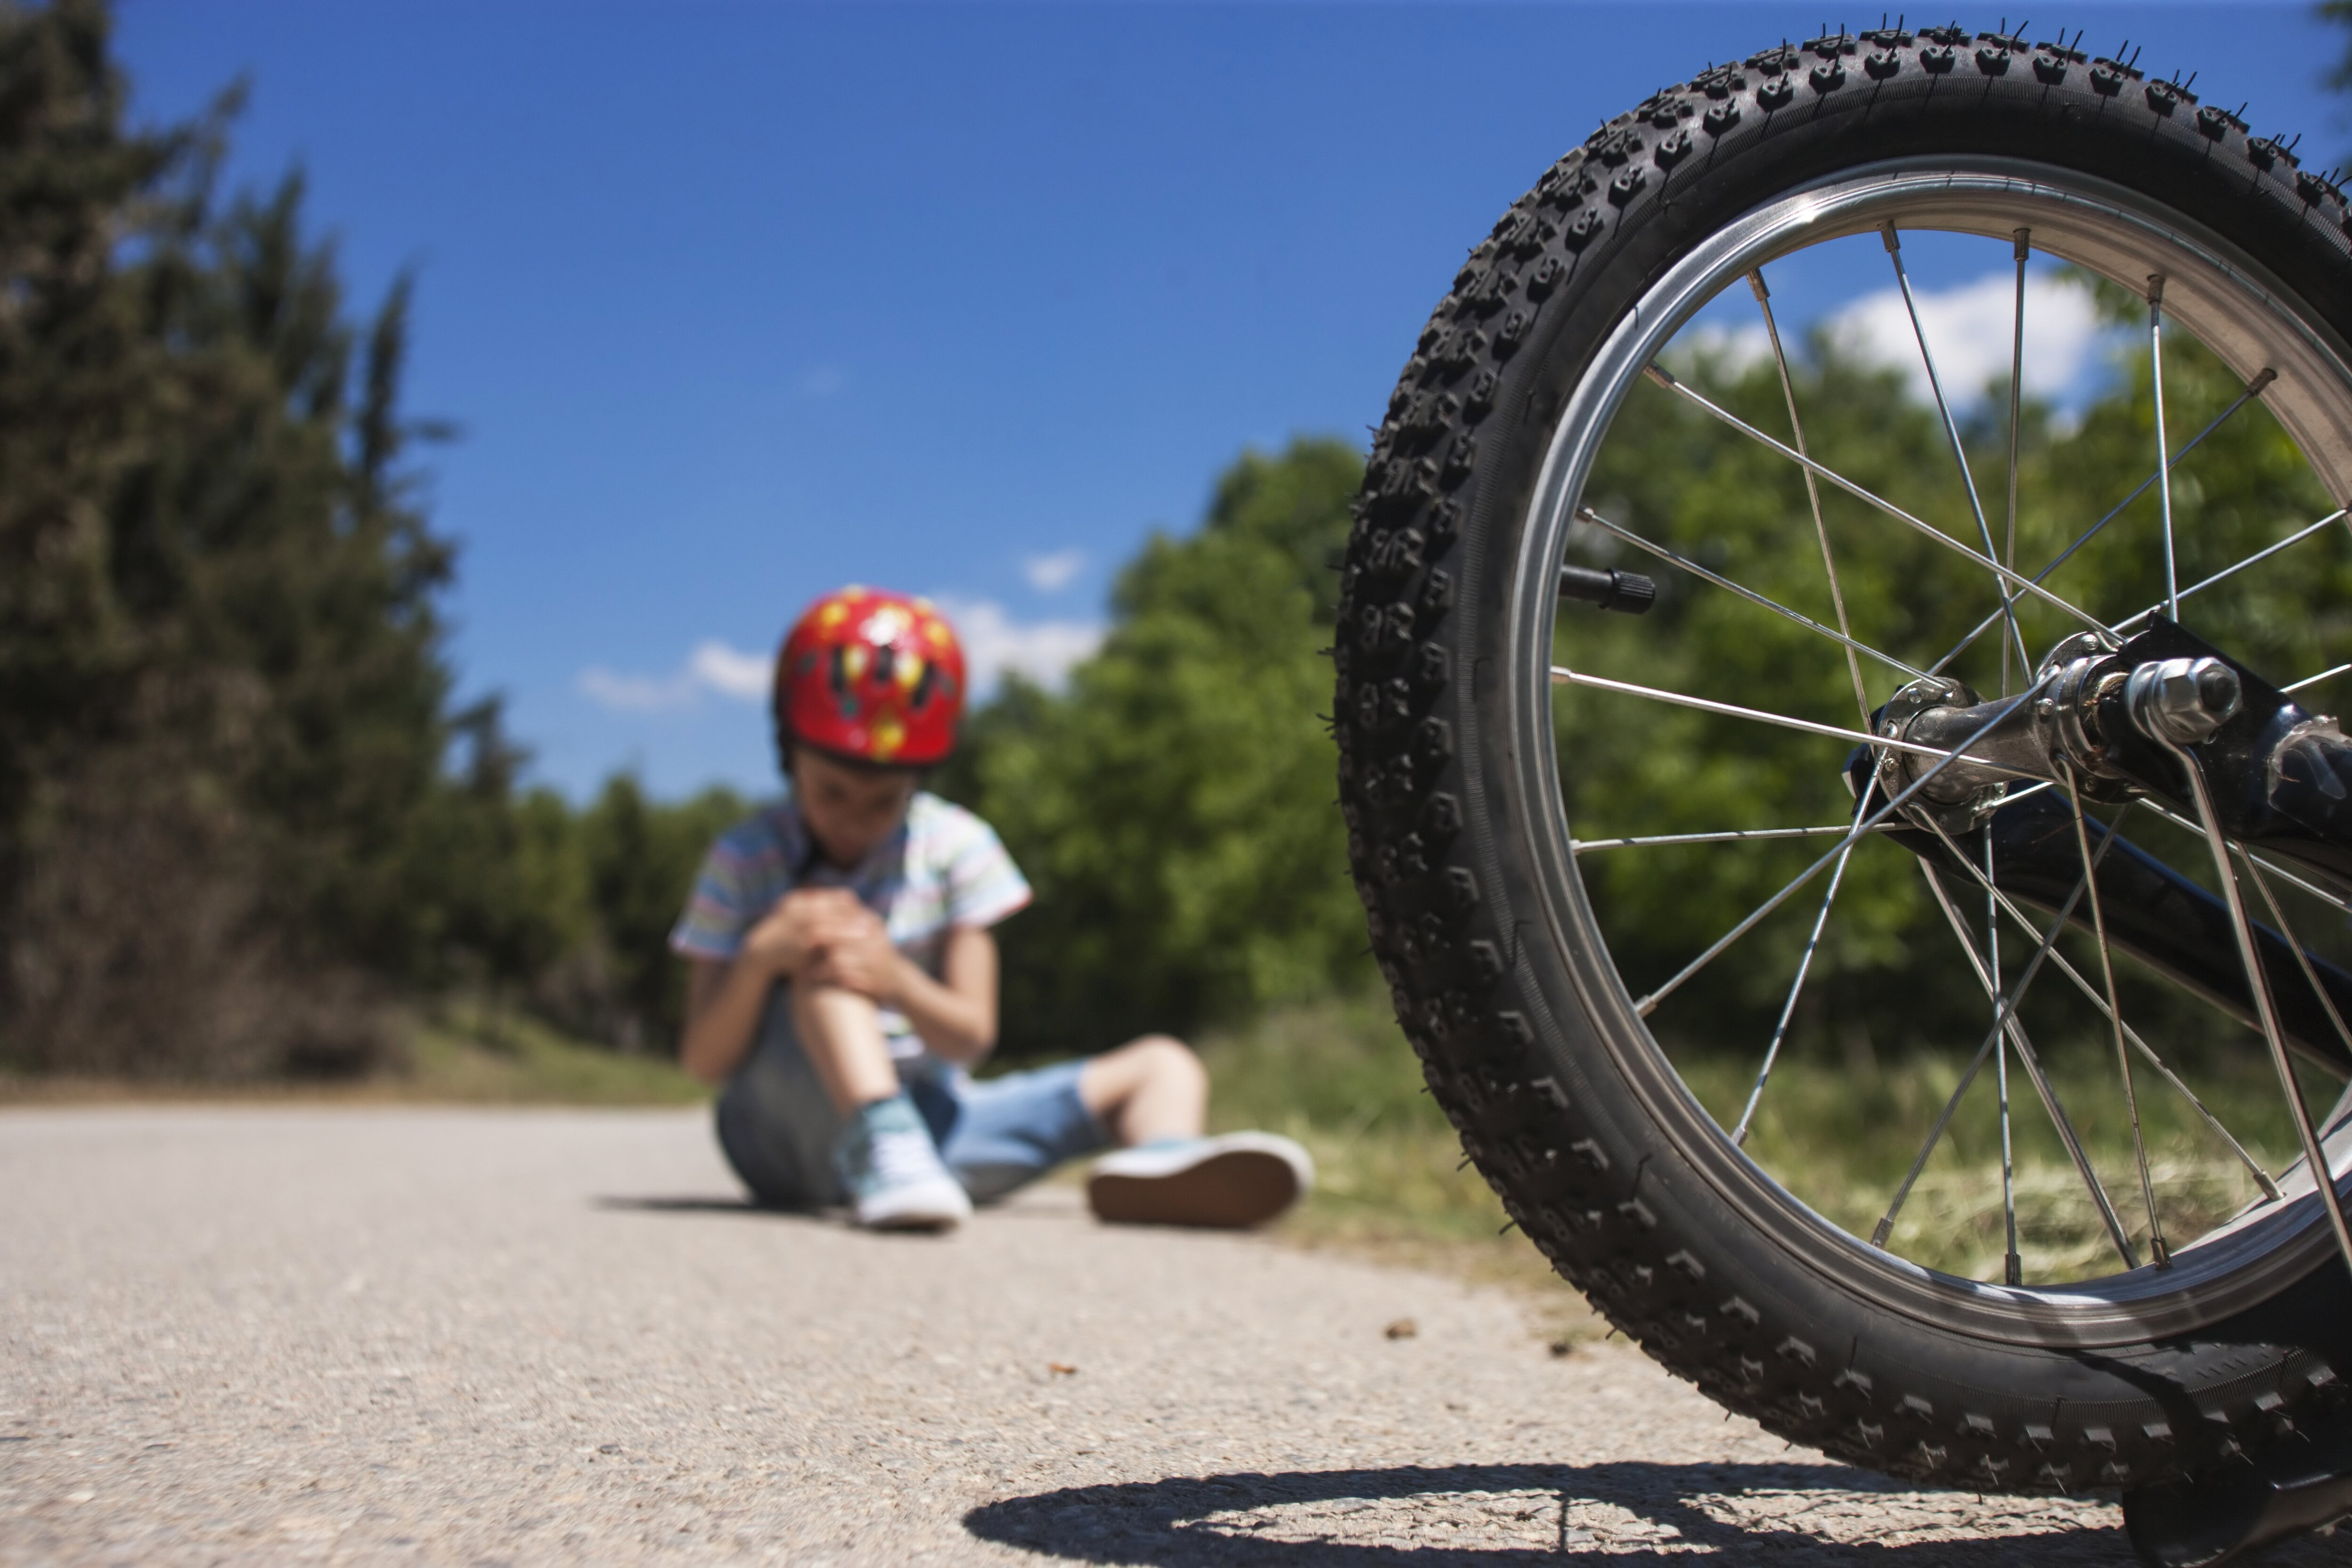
[{"x": 402, "y": 1335}]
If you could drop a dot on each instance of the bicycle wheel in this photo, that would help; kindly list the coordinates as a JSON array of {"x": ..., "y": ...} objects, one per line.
[{"x": 1611, "y": 862}]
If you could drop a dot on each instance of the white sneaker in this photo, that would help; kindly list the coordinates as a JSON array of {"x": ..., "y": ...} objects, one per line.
[
  {"x": 1232, "y": 1181},
  {"x": 894, "y": 1174}
]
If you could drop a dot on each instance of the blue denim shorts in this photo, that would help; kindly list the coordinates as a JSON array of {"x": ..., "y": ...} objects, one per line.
[{"x": 777, "y": 1128}]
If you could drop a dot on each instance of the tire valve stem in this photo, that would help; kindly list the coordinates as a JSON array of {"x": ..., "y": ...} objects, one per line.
[{"x": 1609, "y": 589}]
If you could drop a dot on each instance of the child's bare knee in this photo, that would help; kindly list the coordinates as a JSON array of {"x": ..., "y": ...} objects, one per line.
[
  {"x": 823, "y": 1010},
  {"x": 1166, "y": 1057},
  {"x": 816, "y": 994}
]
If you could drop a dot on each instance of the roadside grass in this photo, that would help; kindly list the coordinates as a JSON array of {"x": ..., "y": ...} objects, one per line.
[
  {"x": 471, "y": 1054},
  {"x": 462, "y": 1052},
  {"x": 1842, "y": 1138},
  {"x": 1339, "y": 1077}
]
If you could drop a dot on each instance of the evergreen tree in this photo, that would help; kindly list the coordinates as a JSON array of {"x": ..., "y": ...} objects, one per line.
[
  {"x": 641, "y": 856},
  {"x": 218, "y": 647}
]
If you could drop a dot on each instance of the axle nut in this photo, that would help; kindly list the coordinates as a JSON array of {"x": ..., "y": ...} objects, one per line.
[{"x": 2182, "y": 701}]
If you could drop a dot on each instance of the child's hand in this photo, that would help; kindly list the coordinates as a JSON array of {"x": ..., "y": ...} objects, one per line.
[
  {"x": 804, "y": 924},
  {"x": 865, "y": 962}
]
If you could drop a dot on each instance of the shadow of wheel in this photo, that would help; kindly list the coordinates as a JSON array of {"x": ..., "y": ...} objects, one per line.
[{"x": 1496, "y": 1514}]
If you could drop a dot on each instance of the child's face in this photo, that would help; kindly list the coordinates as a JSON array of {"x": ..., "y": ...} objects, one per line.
[{"x": 849, "y": 810}]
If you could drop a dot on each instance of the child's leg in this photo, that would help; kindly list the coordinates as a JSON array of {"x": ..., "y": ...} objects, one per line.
[
  {"x": 774, "y": 1119},
  {"x": 1147, "y": 1089},
  {"x": 841, "y": 1034},
  {"x": 1007, "y": 1131},
  {"x": 1153, "y": 1094},
  {"x": 886, "y": 1157}
]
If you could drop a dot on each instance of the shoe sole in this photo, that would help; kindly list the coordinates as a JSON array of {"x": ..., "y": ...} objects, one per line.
[
  {"x": 919, "y": 1223},
  {"x": 917, "y": 1216},
  {"x": 1228, "y": 1191}
]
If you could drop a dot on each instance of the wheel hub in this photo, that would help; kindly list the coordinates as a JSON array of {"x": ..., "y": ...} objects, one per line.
[{"x": 2107, "y": 722}]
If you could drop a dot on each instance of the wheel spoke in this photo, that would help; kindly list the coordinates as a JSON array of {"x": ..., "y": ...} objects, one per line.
[
  {"x": 2258, "y": 982},
  {"x": 2273, "y": 866},
  {"x": 1796, "y": 986},
  {"x": 1976, "y": 1063},
  {"x": 2091, "y": 994},
  {"x": 1563, "y": 676},
  {"x": 1952, "y": 433},
  {"x": 2006, "y": 1019},
  {"x": 1747, "y": 923},
  {"x": 1727, "y": 836},
  {"x": 2013, "y": 1266},
  {"x": 2164, "y": 469},
  {"x": 1812, "y": 492},
  {"x": 1586, "y": 514},
  {"x": 2252, "y": 390},
  {"x": 1665, "y": 378},
  {"x": 2024, "y": 238},
  {"x": 2297, "y": 537},
  {"x": 2301, "y": 958},
  {"x": 2157, "y": 1250},
  {"x": 1885, "y": 1227},
  {"x": 2316, "y": 680}
]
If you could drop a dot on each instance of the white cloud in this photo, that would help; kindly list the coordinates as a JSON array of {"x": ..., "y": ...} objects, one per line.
[
  {"x": 1051, "y": 574},
  {"x": 995, "y": 643},
  {"x": 1970, "y": 329},
  {"x": 635, "y": 693},
  {"x": 1730, "y": 350},
  {"x": 733, "y": 673},
  {"x": 711, "y": 666}
]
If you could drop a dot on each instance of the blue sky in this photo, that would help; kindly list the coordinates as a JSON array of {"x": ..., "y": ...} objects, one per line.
[{"x": 735, "y": 302}]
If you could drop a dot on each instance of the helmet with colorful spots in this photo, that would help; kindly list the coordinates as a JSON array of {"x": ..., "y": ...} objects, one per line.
[{"x": 871, "y": 677}]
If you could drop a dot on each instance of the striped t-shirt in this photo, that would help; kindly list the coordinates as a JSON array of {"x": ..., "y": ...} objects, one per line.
[{"x": 943, "y": 868}]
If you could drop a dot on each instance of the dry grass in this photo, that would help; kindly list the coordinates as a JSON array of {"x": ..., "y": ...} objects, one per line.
[
  {"x": 469, "y": 1055},
  {"x": 1339, "y": 1078},
  {"x": 463, "y": 1054},
  {"x": 1953, "y": 1221},
  {"x": 1841, "y": 1138}
]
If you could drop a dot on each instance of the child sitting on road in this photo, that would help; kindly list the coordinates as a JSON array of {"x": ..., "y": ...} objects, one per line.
[{"x": 842, "y": 978}]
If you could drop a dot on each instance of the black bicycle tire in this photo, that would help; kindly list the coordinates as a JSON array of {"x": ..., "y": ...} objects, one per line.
[{"x": 1507, "y": 1046}]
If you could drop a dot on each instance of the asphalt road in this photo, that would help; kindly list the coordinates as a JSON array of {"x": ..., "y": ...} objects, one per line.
[{"x": 262, "y": 1335}]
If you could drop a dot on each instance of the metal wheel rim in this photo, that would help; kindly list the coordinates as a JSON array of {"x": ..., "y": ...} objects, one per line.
[{"x": 2234, "y": 307}]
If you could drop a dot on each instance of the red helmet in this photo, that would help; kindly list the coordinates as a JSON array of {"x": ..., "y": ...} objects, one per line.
[{"x": 871, "y": 676}]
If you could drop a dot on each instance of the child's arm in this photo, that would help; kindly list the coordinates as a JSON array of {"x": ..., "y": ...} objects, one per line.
[
  {"x": 723, "y": 1002},
  {"x": 955, "y": 1015}
]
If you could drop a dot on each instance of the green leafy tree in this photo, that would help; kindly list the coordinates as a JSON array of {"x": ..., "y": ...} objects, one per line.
[
  {"x": 1173, "y": 807},
  {"x": 2340, "y": 13}
]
